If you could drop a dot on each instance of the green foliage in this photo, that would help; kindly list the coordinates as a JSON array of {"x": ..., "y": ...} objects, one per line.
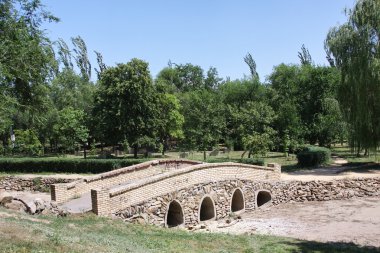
[
  {"x": 70, "y": 89},
  {"x": 65, "y": 165},
  {"x": 70, "y": 128},
  {"x": 204, "y": 119},
  {"x": 251, "y": 161},
  {"x": 126, "y": 105},
  {"x": 313, "y": 156},
  {"x": 27, "y": 142},
  {"x": 169, "y": 120},
  {"x": 304, "y": 98},
  {"x": 22, "y": 42},
  {"x": 257, "y": 144},
  {"x": 356, "y": 50},
  {"x": 304, "y": 56}
]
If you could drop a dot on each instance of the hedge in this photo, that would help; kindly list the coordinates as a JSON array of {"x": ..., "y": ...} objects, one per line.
[
  {"x": 64, "y": 165},
  {"x": 250, "y": 161},
  {"x": 75, "y": 165},
  {"x": 313, "y": 156}
]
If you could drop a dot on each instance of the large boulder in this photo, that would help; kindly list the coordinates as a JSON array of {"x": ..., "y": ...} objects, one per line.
[
  {"x": 16, "y": 205},
  {"x": 5, "y": 197},
  {"x": 40, "y": 205}
]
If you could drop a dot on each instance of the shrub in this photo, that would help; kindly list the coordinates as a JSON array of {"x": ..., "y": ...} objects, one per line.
[
  {"x": 313, "y": 156},
  {"x": 64, "y": 165},
  {"x": 250, "y": 161}
]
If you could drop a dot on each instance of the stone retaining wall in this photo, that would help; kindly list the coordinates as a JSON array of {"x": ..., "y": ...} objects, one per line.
[
  {"x": 63, "y": 192},
  {"x": 155, "y": 210},
  {"x": 41, "y": 184},
  {"x": 106, "y": 201}
]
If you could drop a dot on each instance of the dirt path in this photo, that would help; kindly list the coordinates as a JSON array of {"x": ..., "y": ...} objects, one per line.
[
  {"x": 355, "y": 220},
  {"x": 327, "y": 174}
]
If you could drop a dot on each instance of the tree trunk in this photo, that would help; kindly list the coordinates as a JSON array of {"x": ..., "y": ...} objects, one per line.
[
  {"x": 204, "y": 155},
  {"x": 84, "y": 151},
  {"x": 135, "y": 149}
]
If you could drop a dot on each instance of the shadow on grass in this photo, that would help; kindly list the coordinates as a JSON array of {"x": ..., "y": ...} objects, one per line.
[
  {"x": 292, "y": 168},
  {"x": 361, "y": 167},
  {"x": 328, "y": 247}
]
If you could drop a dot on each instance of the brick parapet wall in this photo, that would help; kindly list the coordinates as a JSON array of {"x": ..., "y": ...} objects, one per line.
[
  {"x": 115, "y": 177},
  {"x": 131, "y": 194}
]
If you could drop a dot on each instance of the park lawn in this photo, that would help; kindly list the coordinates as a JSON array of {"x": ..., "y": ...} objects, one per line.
[
  {"x": 346, "y": 153},
  {"x": 89, "y": 233}
]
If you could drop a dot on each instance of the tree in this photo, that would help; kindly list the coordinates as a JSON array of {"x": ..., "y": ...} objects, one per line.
[
  {"x": 81, "y": 58},
  {"x": 254, "y": 122},
  {"x": 27, "y": 142},
  {"x": 212, "y": 80},
  {"x": 70, "y": 128},
  {"x": 27, "y": 63},
  {"x": 252, "y": 65},
  {"x": 204, "y": 120},
  {"x": 299, "y": 96},
  {"x": 101, "y": 64},
  {"x": 355, "y": 47},
  {"x": 70, "y": 89},
  {"x": 65, "y": 54},
  {"x": 26, "y": 56},
  {"x": 170, "y": 120},
  {"x": 305, "y": 56},
  {"x": 125, "y": 105}
]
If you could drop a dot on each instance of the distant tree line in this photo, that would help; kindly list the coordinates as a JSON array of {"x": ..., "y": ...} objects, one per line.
[{"x": 49, "y": 101}]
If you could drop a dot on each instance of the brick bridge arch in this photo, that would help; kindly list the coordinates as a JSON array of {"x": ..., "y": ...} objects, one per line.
[{"x": 157, "y": 187}]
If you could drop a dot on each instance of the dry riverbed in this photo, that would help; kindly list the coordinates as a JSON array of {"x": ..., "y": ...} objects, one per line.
[{"x": 355, "y": 220}]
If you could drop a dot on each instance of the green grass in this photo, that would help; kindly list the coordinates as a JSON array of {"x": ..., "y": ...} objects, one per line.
[
  {"x": 346, "y": 153},
  {"x": 288, "y": 163},
  {"x": 88, "y": 233}
]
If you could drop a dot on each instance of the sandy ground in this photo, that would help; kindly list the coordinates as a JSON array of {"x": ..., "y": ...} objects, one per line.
[
  {"x": 64, "y": 176},
  {"x": 356, "y": 220},
  {"x": 326, "y": 174},
  {"x": 25, "y": 195},
  {"x": 338, "y": 170}
]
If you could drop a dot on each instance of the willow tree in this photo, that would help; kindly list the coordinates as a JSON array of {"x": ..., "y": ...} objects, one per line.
[{"x": 355, "y": 47}]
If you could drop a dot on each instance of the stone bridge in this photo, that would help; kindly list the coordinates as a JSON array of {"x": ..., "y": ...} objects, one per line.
[{"x": 174, "y": 192}]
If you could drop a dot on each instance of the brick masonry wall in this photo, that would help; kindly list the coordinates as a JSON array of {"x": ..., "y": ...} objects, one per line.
[
  {"x": 64, "y": 192},
  {"x": 154, "y": 210},
  {"x": 123, "y": 197}
]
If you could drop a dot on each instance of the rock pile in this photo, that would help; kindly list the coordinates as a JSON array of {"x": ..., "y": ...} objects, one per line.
[
  {"x": 41, "y": 184},
  {"x": 296, "y": 191},
  {"x": 30, "y": 205}
]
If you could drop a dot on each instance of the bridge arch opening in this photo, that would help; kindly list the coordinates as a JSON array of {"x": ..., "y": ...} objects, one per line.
[
  {"x": 207, "y": 209},
  {"x": 263, "y": 197},
  {"x": 237, "y": 201},
  {"x": 174, "y": 215}
]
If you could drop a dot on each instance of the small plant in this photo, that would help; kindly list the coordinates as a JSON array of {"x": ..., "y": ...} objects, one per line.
[{"x": 76, "y": 196}]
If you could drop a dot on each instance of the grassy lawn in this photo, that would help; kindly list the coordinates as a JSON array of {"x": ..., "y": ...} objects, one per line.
[
  {"x": 345, "y": 152},
  {"x": 288, "y": 163},
  {"x": 88, "y": 233}
]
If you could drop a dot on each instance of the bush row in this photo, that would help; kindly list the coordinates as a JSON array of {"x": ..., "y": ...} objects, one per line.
[
  {"x": 251, "y": 161},
  {"x": 67, "y": 165},
  {"x": 64, "y": 165},
  {"x": 313, "y": 156}
]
